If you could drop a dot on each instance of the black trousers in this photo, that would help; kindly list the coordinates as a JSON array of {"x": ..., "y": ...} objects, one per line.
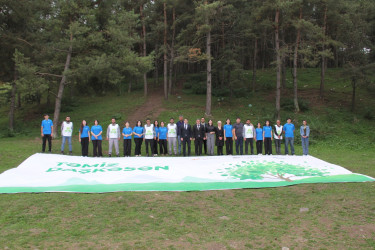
[
  {"x": 45, "y": 139},
  {"x": 138, "y": 145},
  {"x": 85, "y": 146},
  {"x": 155, "y": 148},
  {"x": 151, "y": 143},
  {"x": 219, "y": 150},
  {"x": 163, "y": 146},
  {"x": 127, "y": 147},
  {"x": 205, "y": 146},
  {"x": 268, "y": 145},
  {"x": 97, "y": 148},
  {"x": 229, "y": 145},
  {"x": 247, "y": 142},
  {"x": 187, "y": 142},
  {"x": 198, "y": 146},
  {"x": 259, "y": 146}
]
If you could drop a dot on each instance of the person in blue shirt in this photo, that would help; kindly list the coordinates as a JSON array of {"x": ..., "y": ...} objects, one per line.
[
  {"x": 155, "y": 146},
  {"x": 305, "y": 133},
  {"x": 127, "y": 133},
  {"x": 228, "y": 137},
  {"x": 267, "y": 138},
  {"x": 96, "y": 138},
  {"x": 259, "y": 138},
  {"x": 288, "y": 130},
  {"x": 138, "y": 137},
  {"x": 46, "y": 131},
  {"x": 84, "y": 138},
  {"x": 162, "y": 138}
]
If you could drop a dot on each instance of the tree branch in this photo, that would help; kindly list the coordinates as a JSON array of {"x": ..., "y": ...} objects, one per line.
[{"x": 48, "y": 74}]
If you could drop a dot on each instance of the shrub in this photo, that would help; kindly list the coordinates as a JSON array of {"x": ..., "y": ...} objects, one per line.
[{"x": 288, "y": 104}]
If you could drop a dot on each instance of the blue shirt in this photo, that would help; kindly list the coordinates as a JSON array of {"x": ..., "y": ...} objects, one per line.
[
  {"x": 156, "y": 132},
  {"x": 228, "y": 130},
  {"x": 47, "y": 124},
  {"x": 289, "y": 128},
  {"x": 138, "y": 130},
  {"x": 85, "y": 132},
  {"x": 96, "y": 129},
  {"x": 163, "y": 133},
  {"x": 127, "y": 131},
  {"x": 259, "y": 134},
  {"x": 267, "y": 131}
]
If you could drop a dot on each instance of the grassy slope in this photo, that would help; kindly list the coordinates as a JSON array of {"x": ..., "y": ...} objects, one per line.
[{"x": 339, "y": 216}]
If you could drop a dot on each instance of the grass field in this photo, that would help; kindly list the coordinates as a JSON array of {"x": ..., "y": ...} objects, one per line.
[{"x": 339, "y": 216}]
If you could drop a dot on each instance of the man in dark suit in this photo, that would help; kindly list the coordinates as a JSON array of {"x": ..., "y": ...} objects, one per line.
[
  {"x": 199, "y": 135},
  {"x": 203, "y": 123},
  {"x": 185, "y": 133}
]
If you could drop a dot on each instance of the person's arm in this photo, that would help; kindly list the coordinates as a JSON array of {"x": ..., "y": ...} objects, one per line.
[
  {"x": 271, "y": 135},
  {"x": 225, "y": 136},
  {"x": 307, "y": 131},
  {"x": 41, "y": 131},
  {"x": 62, "y": 127},
  {"x": 263, "y": 134},
  {"x": 244, "y": 133},
  {"x": 79, "y": 136},
  {"x": 52, "y": 130},
  {"x": 107, "y": 133},
  {"x": 118, "y": 133},
  {"x": 234, "y": 133}
]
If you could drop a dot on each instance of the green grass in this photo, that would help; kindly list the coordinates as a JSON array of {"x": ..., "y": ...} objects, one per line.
[{"x": 340, "y": 215}]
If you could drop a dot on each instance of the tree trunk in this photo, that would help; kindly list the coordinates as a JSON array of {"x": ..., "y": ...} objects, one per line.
[
  {"x": 59, "y": 96},
  {"x": 208, "y": 94},
  {"x": 13, "y": 102},
  {"x": 295, "y": 64},
  {"x": 130, "y": 87},
  {"x": 255, "y": 63},
  {"x": 283, "y": 72},
  {"x": 354, "y": 86},
  {"x": 278, "y": 63},
  {"x": 19, "y": 99},
  {"x": 165, "y": 54},
  {"x": 144, "y": 47},
  {"x": 172, "y": 51},
  {"x": 323, "y": 66}
]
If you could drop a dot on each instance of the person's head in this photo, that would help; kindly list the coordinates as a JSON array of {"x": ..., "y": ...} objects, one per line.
[
  {"x": 219, "y": 124},
  {"x": 304, "y": 122},
  {"x": 267, "y": 122},
  {"x": 278, "y": 122},
  {"x": 156, "y": 123},
  {"x": 84, "y": 123},
  {"x": 186, "y": 121},
  {"x": 171, "y": 120},
  {"x": 198, "y": 121},
  {"x": 67, "y": 119},
  {"x": 203, "y": 120},
  {"x": 181, "y": 118},
  {"x": 162, "y": 124},
  {"x": 259, "y": 125},
  {"x": 227, "y": 121},
  {"x": 248, "y": 121},
  {"x": 46, "y": 116},
  {"x": 139, "y": 123},
  {"x": 96, "y": 122},
  {"x": 148, "y": 121},
  {"x": 127, "y": 124},
  {"x": 238, "y": 120},
  {"x": 210, "y": 122},
  {"x": 289, "y": 120},
  {"x": 113, "y": 120}
]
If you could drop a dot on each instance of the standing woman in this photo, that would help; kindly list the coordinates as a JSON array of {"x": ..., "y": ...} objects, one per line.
[
  {"x": 162, "y": 138},
  {"x": 155, "y": 149},
  {"x": 259, "y": 138},
  {"x": 210, "y": 135},
  {"x": 138, "y": 137},
  {"x": 219, "y": 131},
  {"x": 84, "y": 138},
  {"x": 267, "y": 138},
  {"x": 96, "y": 138},
  {"x": 305, "y": 133},
  {"x": 127, "y": 132},
  {"x": 228, "y": 137}
]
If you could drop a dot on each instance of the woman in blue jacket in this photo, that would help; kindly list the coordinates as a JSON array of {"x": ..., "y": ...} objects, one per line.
[
  {"x": 305, "y": 133},
  {"x": 138, "y": 137}
]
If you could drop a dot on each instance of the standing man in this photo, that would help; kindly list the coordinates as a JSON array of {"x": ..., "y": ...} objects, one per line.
[
  {"x": 66, "y": 133},
  {"x": 248, "y": 135},
  {"x": 46, "y": 132},
  {"x": 203, "y": 123},
  {"x": 172, "y": 136},
  {"x": 198, "y": 135},
  {"x": 305, "y": 133},
  {"x": 288, "y": 130},
  {"x": 150, "y": 136},
  {"x": 113, "y": 136},
  {"x": 186, "y": 136},
  {"x": 179, "y": 125},
  {"x": 238, "y": 135},
  {"x": 278, "y": 136}
]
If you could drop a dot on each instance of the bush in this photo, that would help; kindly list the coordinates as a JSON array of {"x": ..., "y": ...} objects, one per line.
[
  {"x": 199, "y": 89},
  {"x": 288, "y": 105},
  {"x": 369, "y": 115},
  {"x": 220, "y": 92}
]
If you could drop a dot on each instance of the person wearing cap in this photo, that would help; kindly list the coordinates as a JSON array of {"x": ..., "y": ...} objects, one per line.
[
  {"x": 288, "y": 130},
  {"x": 66, "y": 133},
  {"x": 113, "y": 136},
  {"x": 179, "y": 124},
  {"x": 46, "y": 131}
]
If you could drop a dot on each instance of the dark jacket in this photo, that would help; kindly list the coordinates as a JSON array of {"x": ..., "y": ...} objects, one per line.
[
  {"x": 186, "y": 133},
  {"x": 219, "y": 133},
  {"x": 201, "y": 133}
]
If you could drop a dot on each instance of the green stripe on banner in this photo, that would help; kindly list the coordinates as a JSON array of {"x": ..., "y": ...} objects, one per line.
[{"x": 188, "y": 186}]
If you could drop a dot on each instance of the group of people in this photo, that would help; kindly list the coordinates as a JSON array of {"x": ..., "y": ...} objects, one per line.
[{"x": 175, "y": 138}]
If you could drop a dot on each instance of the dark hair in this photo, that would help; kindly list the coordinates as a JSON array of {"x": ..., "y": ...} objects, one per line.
[
  {"x": 113, "y": 118},
  {"x": 45, "y": 115},
  {"x": 210, "y": 121},
  {"x": 227, "y": 120},
  {"x": 136, "y": 124},
  {"x": 289, "y": 118},
  {"x": 67, "y": 116},
  {"x": 82, "y": 126},
  {"x": 96, "y": 121},
  {"x": 238, "y": 118},
  {"x": 247, "y": 119},
  {"x": 148, "y": 119},
  {"x": 155, "y": 124},
  {"x": 171, "y": 118},
  {"x": 269, "y": 123},
  {"x": 126, "y": 122}
]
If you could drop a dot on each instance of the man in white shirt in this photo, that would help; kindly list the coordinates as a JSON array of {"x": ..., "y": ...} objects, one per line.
[
  {"x": 172, "y": 137},
  {"x": 113, "y": 136},
  {"x": 278, "y": 136},
  {"x": 149, "y": 136},
  {"x": 248, "y": 135},
  {"x": 66, "y": 133}
]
